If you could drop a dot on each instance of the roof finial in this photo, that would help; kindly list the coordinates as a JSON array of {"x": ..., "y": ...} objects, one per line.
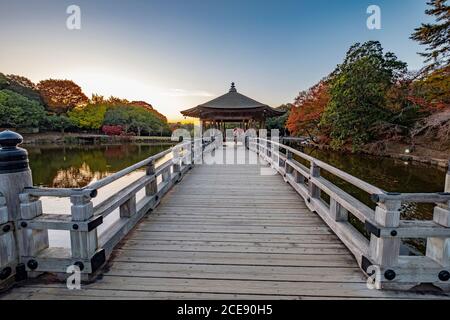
[{"x": 233, "y": 88}]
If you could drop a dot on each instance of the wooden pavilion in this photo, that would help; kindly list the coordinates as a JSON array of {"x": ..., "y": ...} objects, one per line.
[{"x": 232, "y": 107}]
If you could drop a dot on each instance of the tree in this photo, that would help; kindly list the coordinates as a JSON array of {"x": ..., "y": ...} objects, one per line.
[
  {"x": 112, "y": 130},
  {"x": 358, "y": 89},
  {"x": 135, "y": 118},
  {"x": 3, "y": 81},
  {"x": 434, "y": 89},
  {"x": 309, "y": 106},
  {"x": 436, "y": 36},
  {"x": 20, "y": 85},
  {"x": 279, "y": 122},
  {"x": 17, "y": 111},
  {"x": 59, "y": 123},
  {"x": 61, "y": 96},
  {"x": 118, "y": 116},
  {"x": 90, "y": 116}
]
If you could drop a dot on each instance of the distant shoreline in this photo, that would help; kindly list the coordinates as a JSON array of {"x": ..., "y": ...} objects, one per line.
[{"x": 82, "y": 138}]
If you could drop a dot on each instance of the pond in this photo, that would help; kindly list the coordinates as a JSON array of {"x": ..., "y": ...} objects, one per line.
[
  {"x": 389, "y": 174},
  {"x": 75, "y": 166}
]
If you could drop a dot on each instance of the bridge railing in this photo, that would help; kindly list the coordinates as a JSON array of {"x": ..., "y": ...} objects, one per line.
[
  {"x": 377, "y": 255},
  {"x": 27, "y": 251}
]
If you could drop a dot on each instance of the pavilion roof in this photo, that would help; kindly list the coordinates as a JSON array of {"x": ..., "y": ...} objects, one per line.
[{"x": 232, "y": 101}]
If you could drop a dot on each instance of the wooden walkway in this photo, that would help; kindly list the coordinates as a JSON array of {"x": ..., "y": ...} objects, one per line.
[{"x": 225, "y": 232}]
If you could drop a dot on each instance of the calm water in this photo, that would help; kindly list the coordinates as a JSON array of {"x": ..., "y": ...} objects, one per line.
[
  {"x": 392, "y": 175},
  {"x": 74, "y": 166}
]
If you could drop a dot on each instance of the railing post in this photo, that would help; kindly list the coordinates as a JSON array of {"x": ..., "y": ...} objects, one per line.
[
  {"x": 176, "y": 159},
  {"x": 83, "y": 243},
  {"x": 438, "y": 249},
  {"x": 314, "y": 171},
  {"x": 384, "y": 251},
  {"x": 15, "y": 175},
  {"x": 152, "y": 187},
  {"x": 338, "y": 212},
  {"x": 31, "y": 241},
  {"x": 287, "y": 168},
  {"x": 128, "y": 209},
  {"x": 281, "y": 163}
]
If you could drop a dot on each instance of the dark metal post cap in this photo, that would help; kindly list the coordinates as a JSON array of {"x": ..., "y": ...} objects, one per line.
[
  {"x": 12, "y": 158},
  {"x": 10, "y": 139}
]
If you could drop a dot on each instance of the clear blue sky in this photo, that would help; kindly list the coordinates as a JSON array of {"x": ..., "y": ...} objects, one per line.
[{"x": 177, "y": 54}]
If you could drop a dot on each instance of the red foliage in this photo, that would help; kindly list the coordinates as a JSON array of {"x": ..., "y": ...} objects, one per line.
[
  {"x": 112, "y": 130},
  {"x": 308, "y": 108}
]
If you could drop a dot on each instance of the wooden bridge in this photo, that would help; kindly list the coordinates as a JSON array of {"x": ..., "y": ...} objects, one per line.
[{"x": 190, "y": 227}]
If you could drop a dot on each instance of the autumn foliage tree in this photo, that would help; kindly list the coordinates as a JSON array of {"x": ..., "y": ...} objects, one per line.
[
  {"x": 307, "y": 111},
  {"x": 61, "y": 96}
]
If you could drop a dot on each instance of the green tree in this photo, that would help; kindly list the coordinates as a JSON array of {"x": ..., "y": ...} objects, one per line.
[
  {"x": 137, "y": 119},
  {"x": 141, "y": 119},
  {"x": 279, "y": 122},
  {"x": 90, "y": 116},
  {"x": 17, "y": 111},
  {"x": 3, "y": 81},
  {"x": 436, "y": 36},
  {"x": 118, "y": 116},
  {"x": 358, "y": 89},
  {"x": 20, "y": 85},
  {"x": 59, "y": 123}
]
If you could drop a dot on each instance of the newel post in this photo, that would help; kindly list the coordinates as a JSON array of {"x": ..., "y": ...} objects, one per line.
[
  {"x": 15, "y": 175},
  {"x": 438, "y": 249}
]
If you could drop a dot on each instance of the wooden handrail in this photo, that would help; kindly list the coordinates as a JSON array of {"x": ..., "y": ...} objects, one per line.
[
  {"x": 371, "y": 189},
  {"x": 384, "y": 224},
  {"x": 91, "y": 188},
  {"x": 88, "y": 248}
]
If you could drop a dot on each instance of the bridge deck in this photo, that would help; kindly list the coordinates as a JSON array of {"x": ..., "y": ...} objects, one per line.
[{"x": 224, "y": 232}]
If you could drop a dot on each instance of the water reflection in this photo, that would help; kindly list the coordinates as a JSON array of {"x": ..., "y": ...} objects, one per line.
[{"x": 75, "y": 166}]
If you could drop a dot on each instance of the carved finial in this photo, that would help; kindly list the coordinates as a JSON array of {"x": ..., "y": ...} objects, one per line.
[
  {"x": 12, "y": 158},
  {"x": 233, "y": 88},
  {"x": 10, "y": 139}
]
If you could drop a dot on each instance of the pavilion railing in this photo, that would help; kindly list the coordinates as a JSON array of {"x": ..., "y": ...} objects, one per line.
[{"x": 378, "y": 256}]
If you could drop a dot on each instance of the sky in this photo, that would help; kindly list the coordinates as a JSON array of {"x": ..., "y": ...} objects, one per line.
[{"x": 176, "y": 54}]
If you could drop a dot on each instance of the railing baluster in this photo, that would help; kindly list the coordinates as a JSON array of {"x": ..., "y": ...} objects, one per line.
[
  {"x": 31, "y": 241},
  {"x": 83, "y": 243},
  {"x": 385, "y": 250},
  {"x": 287, "y": 168},
  {"x": 337, "y": 212},
  {"x": 314, "y": 191},
  {"x": 176, "y": 160},
  {"x": 152, "y": 187},
  {"x": 128, "y": 209}
]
